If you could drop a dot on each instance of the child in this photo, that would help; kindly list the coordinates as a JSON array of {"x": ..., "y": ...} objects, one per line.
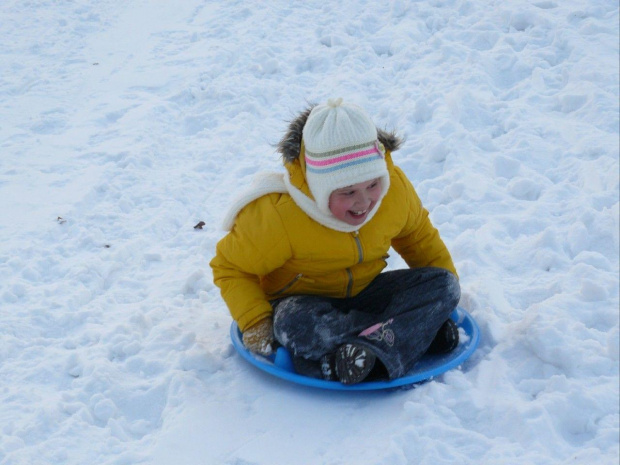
[{"x": 302, "y": 263}]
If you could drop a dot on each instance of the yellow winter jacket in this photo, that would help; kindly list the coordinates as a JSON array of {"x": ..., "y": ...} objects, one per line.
[{"x": 274, "y": 249}]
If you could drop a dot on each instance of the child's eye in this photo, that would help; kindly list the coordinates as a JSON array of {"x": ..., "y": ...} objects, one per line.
[{"x": 373, "y": 185}]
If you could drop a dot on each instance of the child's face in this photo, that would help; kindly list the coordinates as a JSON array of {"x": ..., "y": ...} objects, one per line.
[{"x": 353, "y": 203}]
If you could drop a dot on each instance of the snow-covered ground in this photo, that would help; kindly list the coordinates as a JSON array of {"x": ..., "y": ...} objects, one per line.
[{"x": 125, "y": 123}]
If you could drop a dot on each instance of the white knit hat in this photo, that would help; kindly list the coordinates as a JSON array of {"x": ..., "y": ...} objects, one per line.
[{"x": 341, "y": 150}]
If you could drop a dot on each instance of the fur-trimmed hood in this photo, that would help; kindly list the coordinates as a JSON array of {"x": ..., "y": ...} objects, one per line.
[{"x": 290, "y": 145}]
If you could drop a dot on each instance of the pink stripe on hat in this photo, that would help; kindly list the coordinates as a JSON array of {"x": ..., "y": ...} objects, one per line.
[{"x": 342, "y": 158}]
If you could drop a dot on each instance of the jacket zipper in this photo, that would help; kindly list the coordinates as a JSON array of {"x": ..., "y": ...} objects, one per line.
[
  {"x": 288, "y": 285},
  {"x": 350, "y": 283},
  {"x": 360, "y": 253}
]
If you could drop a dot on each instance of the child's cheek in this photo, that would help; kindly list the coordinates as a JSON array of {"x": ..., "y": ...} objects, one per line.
[{"x": 338, "y": 206}]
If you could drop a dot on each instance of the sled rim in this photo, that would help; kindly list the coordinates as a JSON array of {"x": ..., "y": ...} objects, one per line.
[{"x": 429, "y": 367}]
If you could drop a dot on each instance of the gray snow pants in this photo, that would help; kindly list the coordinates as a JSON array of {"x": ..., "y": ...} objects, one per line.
[{"x": 397, "y": 317}]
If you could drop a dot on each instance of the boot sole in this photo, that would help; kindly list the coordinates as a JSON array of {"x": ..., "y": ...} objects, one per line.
[{"x": 353, "y": 363}]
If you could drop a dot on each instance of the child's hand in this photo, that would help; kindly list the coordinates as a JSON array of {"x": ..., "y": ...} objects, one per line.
[{"x": 259, "y": 337}]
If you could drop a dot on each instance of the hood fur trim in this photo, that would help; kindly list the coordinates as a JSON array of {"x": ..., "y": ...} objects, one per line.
[{"x": 290, "y": 145}]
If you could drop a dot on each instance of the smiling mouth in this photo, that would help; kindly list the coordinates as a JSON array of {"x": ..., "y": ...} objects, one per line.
[{"x": 358, "y": 213}]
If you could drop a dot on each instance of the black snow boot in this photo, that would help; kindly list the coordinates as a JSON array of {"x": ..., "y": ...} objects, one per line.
[
  {"x": 446, "y": 340},
  {"x": 353, "y": 363}
]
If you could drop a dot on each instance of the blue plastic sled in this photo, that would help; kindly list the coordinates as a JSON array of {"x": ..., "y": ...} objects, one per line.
[{"x": 428, "y": 367}]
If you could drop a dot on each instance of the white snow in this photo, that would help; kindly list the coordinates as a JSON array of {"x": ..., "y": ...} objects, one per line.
[{"x": 124, "y": 124}]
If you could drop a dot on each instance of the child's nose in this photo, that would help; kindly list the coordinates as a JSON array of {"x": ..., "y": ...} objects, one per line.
[{"x": 362, "y": 198}]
